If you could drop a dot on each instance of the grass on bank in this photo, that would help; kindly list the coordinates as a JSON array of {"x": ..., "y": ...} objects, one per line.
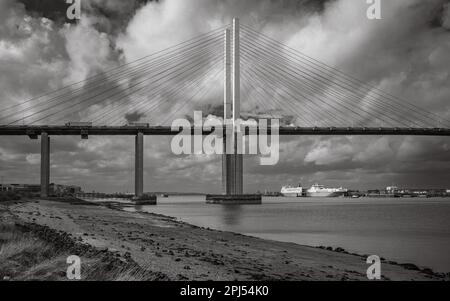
[{"x": 25, "y": 257}]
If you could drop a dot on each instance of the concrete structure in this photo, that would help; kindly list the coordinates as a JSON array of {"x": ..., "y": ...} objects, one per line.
[
  {"x": 238, "y": 158},
  {"x": 227, "y": 159},
  {"x": 45, "y": 164},
  {"x": 34, "y": 131},
  {"x": 232, "y": 164},
  {"x": 45, "y": 131},
  {"x": 249, "y": 199},
  {"x": 139, "y": 165},
  {"x": 232, "y": 160}
]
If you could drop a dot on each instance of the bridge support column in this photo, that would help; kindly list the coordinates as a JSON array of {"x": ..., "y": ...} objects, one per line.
[
  {"x": 139, "y": 165},
  {"x": 45, "y": 164},
  {"x": 238, "y": 174},
  {"x": 227, "y": 174},
  {"x": 236, "y": 99},
  {"x": 227, "y": 158}
]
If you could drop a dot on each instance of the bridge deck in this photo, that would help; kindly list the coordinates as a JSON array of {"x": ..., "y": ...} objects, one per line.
[{"x": 166, "y": 130}]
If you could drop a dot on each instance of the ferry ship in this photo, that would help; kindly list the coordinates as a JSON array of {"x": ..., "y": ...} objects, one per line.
[
  {"x": 291, "y": 191},
  {"x": 318, "y": 190}
]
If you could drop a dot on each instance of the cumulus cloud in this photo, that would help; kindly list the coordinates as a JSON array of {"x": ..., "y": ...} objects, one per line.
[
  {"x": 88, "y": 50},
  {"x": 329, "y": 152},
  {"x": 27, "y": 54},
  {"x": 446, "y": 16}
]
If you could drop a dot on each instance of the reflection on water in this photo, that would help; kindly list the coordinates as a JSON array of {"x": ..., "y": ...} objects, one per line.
[
  {"x": 404, "y": 230},
  {"x": 138, "y": 207},
  {"x": 230, "y": 214}
]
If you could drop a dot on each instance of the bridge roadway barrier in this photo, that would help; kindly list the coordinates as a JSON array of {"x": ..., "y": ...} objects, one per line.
[{"x": 35, "y": 131}]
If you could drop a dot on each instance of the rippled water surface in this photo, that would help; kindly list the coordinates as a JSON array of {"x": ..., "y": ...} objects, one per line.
[{"x": 405, "y": 230}]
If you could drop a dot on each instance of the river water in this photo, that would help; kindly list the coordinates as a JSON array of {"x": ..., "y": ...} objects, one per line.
[{"x": 404, "y": 230}]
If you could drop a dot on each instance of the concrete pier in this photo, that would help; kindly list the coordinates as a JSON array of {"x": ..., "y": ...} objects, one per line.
[
  {"x": 45, "y": 164},
  {"x": 244, "y": 199},
  {"x": 139, "y": 165}
]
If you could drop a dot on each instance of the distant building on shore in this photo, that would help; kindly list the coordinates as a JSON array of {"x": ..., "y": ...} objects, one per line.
[
  {"x": 391, "y": 189},
  {"x": 396, "y": 192},
  {"x": 5, "y": 187},
  {"x": 28, "y": 188},
  {"x": 61, "y": 190},
  {"x": 54, "y": 189}
]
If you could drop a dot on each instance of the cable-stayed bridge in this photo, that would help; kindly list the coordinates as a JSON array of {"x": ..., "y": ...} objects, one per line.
[{"x": 233, "y": 72}]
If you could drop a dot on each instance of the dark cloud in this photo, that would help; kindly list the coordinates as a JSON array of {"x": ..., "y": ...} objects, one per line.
[
  {"x": 51, "y": 9},
  {"x": 117, "y": 13},
  {"x": 133, "y": 117}
]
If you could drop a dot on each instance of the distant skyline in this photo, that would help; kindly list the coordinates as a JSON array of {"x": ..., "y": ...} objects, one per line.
[{"x": 405, "y": 54}]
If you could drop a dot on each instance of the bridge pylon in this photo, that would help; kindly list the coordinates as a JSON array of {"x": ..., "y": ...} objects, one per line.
[{"x": 232, "y": 164}]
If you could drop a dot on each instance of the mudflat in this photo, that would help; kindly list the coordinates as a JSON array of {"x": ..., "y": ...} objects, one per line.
[{"x": 186, "y": 252}]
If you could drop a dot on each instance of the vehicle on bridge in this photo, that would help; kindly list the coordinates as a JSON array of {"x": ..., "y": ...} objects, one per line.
[
  {"x": 79, "y": 124},
  {"x": 139, "y": 124}
]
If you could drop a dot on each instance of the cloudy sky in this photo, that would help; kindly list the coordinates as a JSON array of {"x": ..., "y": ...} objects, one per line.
[{"x": 405, "y": 54}]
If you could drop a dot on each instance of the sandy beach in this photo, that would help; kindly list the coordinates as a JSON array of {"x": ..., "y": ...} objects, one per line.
[{"x": 180, "y": 251}]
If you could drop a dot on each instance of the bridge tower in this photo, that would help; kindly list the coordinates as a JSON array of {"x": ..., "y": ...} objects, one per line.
[{"x": 232, "y": 164}]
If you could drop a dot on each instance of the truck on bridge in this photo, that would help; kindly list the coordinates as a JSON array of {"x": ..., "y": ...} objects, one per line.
[
  {"x": 79, "y": 124},
  {"x": 138, "y": 124}
]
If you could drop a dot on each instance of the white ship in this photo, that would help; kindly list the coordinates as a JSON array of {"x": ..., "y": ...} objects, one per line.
[
  {"x": 321, "y": 191},
  {"x": 292, "y": 191}
]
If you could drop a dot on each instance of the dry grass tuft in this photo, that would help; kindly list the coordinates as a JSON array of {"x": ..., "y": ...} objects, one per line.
[
  {"x": 24, "y": 257},
  {"x": 20, "y": 252}
]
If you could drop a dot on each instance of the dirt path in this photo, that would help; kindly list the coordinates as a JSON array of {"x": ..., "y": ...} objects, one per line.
[{"x": 186, "y": 252}]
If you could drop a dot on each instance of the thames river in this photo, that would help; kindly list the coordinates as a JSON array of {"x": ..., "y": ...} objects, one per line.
[{"x": 407, "y": 230}]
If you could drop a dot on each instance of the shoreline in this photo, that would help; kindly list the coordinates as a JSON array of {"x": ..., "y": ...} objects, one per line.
[
  {"x": 413, "y": 263},
  {"x": 406, "y": 265},
  {"x": 181, "y": 251}
]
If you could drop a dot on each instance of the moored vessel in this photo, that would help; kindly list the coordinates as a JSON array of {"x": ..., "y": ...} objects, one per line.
[
  {"x": 291, "y": 191},
  {"x": 318, "y": 190}
]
